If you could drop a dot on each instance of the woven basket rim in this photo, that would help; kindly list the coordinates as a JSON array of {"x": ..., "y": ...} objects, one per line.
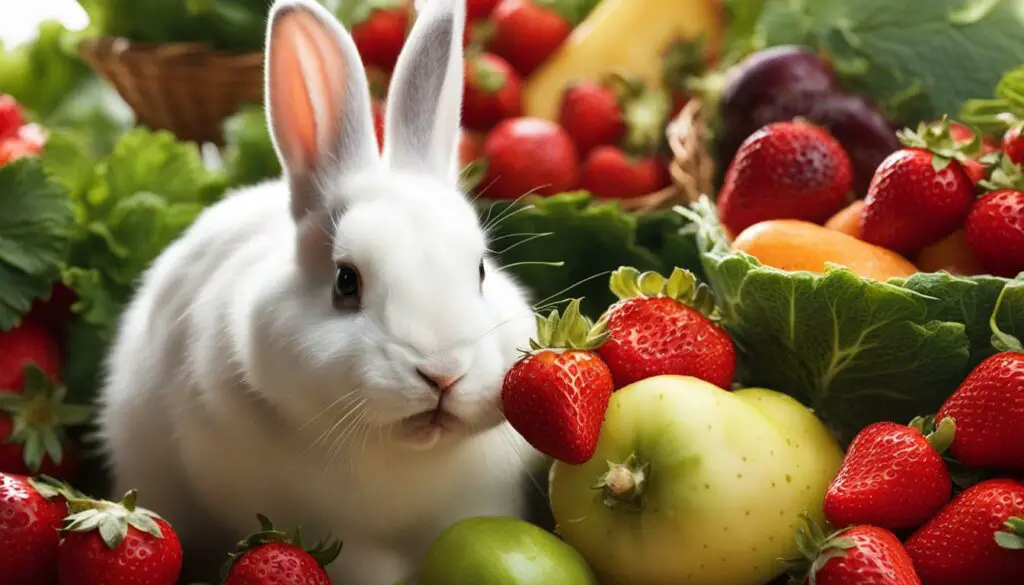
[{"x": 177, "y": 53}]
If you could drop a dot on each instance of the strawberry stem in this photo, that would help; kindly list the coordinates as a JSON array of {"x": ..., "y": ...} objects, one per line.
[
  {"x": 324, "y": 551},
  {"x": 624, "y": 484},
  {"x": 39, "y": 415},
  {"x": 682, "y": 285},
  {"x": 570, "y": 330},
  {"x": 1013, "y": 537},
  {"x": 1003, "y": 342},
  {"x": 937, "y": 138},
  {"x": 942, "y": 437}
]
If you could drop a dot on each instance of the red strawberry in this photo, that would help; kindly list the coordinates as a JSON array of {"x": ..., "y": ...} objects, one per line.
[
  {"x": 10, "y": 116},
  {"x": 988, "y": 408},
  {"x": 493, "y": 92},
  {"x": 556, "y": 396},
  {"x": 117, "y": 543},
  {"x": 471, "y": 147},
  {"x": 56, "y": 311},
  {"x": 32, "y": 436},
  {"x": 380, "y": 34},
  {"x": 919, "y": 194},
  {"x": 526, "y": 33},
  {"x": 995, "y": 232},
  {"x": 28, "y": 343},
  {"x": 271, "y": 557},
  {"x": 611, "y": 173},
  {"x": 892, "y": 477},
  {"x": 785, "y": 170},
  {"x": 528, "y": 156},
  {"x": 857, "y": 555},
  {"x": 378, "y": 122},
  {"x": 479, "y": 9},
  {"x": 30, "y": 517},
  {"x": 663, "y": 327},
  {"x": 591, "y": 114},
  {"x": 1013, "y": 143},
  {"x": 977, "y": 539}
]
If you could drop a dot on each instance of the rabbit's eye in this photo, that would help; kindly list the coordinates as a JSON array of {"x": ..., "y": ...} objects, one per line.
[
  {"x": 346, "y": 287},
  {"x": 482, "y": 274}
]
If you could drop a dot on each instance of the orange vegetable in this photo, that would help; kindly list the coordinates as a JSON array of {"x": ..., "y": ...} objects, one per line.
[
  {"x": 848, "y": 219},
  {"x": 791, "y": 244},
  {"x": 950, "y": 254}
]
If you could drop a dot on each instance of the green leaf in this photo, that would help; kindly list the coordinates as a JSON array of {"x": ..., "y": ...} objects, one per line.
[
  {"x": 856, "y": 350},
  {"x": 249, "y": 154},
  {"x": 42, "y": 72},
  {"x": 34, "y": 231},
  {"x": 937, "y": 53},
  {"x": 592, "y": 238}
]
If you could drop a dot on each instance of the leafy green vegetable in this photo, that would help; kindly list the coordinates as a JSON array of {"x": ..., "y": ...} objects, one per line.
[
  {"x": 921, "y": 59},
  {"x": 591, "y": 238},
  {"x": 128, "y": 206},
  {"x": 34, "y": 229},
  {"x": 249, "y": 155},
  {"x": 42, "y": 72},
  {"x": 854, "y": 349}
]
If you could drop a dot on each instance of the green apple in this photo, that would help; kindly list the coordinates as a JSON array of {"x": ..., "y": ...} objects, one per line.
[
  {"x": 502, "y": 551},
  {"x": 693, "y": 484}
]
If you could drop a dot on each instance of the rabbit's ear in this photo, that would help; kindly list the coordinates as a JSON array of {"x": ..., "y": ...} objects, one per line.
[
  {"x": 317, "y": 97},
  {"x": 425, "y": 98}
]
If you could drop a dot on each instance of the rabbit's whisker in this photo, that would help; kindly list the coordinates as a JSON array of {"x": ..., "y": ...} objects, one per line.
[
  {"x": 336, "y": 402},
  {"x": 354, "y": 409},
  {"x": 525, "y": 240},
  {"x": 543, "y": 302}
]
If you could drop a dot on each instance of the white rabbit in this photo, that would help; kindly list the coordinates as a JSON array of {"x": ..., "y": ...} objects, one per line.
[{"x": 328, "y": 349}]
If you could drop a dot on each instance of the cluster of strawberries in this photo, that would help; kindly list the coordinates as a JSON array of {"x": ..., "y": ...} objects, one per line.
[
  {"x": 898, "y": 480},
  {"x": 52, "y": 534},
  {"x": 610, "y": 135},
  {"x": 557, "y": 395},
  {"x": 947, "y": 199}
]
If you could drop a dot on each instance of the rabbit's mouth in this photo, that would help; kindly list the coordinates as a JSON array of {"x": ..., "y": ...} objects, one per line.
[{"x": 426, "y": 428}]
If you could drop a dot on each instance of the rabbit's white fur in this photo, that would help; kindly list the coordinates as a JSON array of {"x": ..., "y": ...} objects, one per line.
[{"x": 236, "y": 386}]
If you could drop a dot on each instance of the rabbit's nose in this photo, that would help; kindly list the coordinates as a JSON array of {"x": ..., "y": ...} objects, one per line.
[{"x": 439, "y": 382}]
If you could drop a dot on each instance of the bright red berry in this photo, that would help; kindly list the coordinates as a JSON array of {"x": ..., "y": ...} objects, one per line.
[
  {"x": 892, "y": 477},
  {"x": 785, "y": 170},
  {"x": 977, "y": 539},
  {"x": 557, "y": 395},
  {"x": 1013, "y": 144},
  {"x": 659, "y": 330},
  {"x": 493, "y": 92},
  {"x": 30, "y": 520},
  {"x": 995, "y": 231},
  {"x": 857, "y": 555},
  {"x": 526, "y": 33},
  {"x": 380, "y": 37},
  {"x": 10, "y": 116},
  {"x": 528, "y": 156},
  {"x": 28, "y": 343},
  {"x": 272, "y": 557},
  {"x": 610, "y": 173},
  {"x": 592, "y": 116}
]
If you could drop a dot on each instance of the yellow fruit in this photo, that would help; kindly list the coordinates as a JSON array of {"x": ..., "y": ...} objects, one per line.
[
  {"x": 848, "y": 219},
  {"x": 950, "y": 254},
  {"x": 627, "y": 36},
  {"x": 790, "y": 244}
]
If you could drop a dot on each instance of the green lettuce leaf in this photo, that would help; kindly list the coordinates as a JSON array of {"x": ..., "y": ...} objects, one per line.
[
  {"x": 591, "y": 238},
  {"x": 42, "y": 72},
  {"x": 855, "y": 350},
  {"x": 249, "y": 155},
  {"x": 128, "y": 205},
  {"x": 920, "y": 58},
  {"x": 35, "y": 222}
]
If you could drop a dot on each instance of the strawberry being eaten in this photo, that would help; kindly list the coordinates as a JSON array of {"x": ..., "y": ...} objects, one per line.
[
  {"x": 664, "y": 326},
  {"x": 556, "y": 396}
]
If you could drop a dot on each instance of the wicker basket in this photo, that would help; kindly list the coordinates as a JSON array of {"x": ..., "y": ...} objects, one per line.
[
  {"x": 692, "y": 167},
  {"x": 186, "y": 88}
]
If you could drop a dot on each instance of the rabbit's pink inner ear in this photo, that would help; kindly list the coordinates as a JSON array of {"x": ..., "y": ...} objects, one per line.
[{"x": 307, "y": 88}]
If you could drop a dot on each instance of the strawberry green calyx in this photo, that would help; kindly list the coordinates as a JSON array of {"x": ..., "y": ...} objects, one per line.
[
  {"x": 352, "y": 13},
  {"x": 1006, "y": 175},
  {"x": 570, "y": 330},
  {"x": 816, "y": 550},
  {"x": 624, "y": 484},
  {"x": 111, "y": 519},
  {"x": 50, "y": 488},
  {"x": 39, "y": 415},
  {"x": 488, "y": 78},
  {"x": 684, "y": 60},
  {"x": 682, "y": 285},
  {"x": 937, "y": 138},
  {"x": 323, "y": 552},
  {"x": 1013, "y": 537},
  {"x": 645, "y": 111},
  {"x": 1002, "y": 341},
  {"x": 940, "y": 436}
]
